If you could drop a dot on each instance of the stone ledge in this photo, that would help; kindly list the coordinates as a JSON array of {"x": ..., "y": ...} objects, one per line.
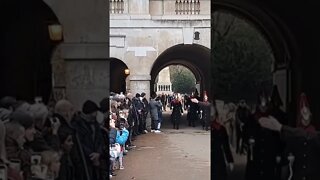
[
  {"x": 140, "y": 77},
  {"x": 85, "y": 51},
  {"x": 181, "y": 17}
]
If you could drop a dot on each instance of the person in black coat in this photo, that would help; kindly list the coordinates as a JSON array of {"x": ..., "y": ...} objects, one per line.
[
  {"x": 278, "y": 113},
  {"x": 67, "y": 169},
  {"x": 90, "y": 137},
  {"x": 303, "y": 143},
  {"x": 193, "y": 110},
  {"x": 206, "y": 110},
  {"x": 220, "y": 150},
  {"x": 242, "y": 117},
  {"x": 177, "y": 112},
  {"x": 64, "y": 115},
  {"x": 264, "y": 146}
]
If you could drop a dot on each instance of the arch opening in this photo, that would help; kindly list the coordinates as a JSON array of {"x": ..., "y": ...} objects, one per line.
[
  {"x": 175, "y": 78},
  {"x": 118, "y": 76},
  {"x": 195, "y": 57},
  {"x": 27, "y": 50}
]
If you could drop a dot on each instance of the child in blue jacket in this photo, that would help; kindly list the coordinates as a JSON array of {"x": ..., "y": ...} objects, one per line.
[{"x": 121, "y": 138}]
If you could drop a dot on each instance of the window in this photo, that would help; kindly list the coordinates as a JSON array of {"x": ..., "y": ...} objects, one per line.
[
  {"x": 116, "y": 6},
  {"x": 187, "y": 6}
]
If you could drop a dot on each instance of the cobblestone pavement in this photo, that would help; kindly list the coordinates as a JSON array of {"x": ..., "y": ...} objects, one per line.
[{"x": 182, "y": 154}]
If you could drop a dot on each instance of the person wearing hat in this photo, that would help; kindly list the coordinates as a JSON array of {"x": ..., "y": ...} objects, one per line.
[
  {"x": 278, "y": 113},
  {"x": 205, "y": 108},
  {"x": 90, "y": 137},
  {"x": 193, "y": 110},
  {"x": 137, "y": 115},
  {"x": 242, "y": 117},
  {"x": 264, "y": 146},
  {"x": 302, "y": 143}
]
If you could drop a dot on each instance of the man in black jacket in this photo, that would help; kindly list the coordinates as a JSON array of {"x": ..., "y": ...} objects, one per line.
[{"x": 90, "y": 137}]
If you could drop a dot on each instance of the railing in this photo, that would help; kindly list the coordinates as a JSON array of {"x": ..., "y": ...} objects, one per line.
[
  {"x": 187, "y": 6},
  {"x": 116, "y": 6}
]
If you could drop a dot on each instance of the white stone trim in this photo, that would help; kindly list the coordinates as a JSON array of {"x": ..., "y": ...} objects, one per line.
[
  {"x": 141, "y": 51},
  {"x": 201, "y": 23},
  {"x": 139, "y": 77}
]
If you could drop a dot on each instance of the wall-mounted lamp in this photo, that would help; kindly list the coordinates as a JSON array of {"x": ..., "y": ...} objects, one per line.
[
  {"x": 196, "y": 35},
  {"x": 127, "y": 71},
  {"x": 55, "y": 32}
]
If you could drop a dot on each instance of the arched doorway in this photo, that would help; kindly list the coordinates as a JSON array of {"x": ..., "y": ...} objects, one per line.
[
  {"x": 195, "y": 57},
  {"x": 284, "y": 51},
  {"x": 26, "y": 52},
  {"x": 118, "y": 75},
  {"x": 282, "y": 42}
]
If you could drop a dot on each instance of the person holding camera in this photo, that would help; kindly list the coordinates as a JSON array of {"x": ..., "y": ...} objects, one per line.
[{"x": 61, "y": 122}]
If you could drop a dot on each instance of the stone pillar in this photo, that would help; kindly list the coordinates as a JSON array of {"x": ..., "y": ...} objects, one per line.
[
  {"x": 87, "y": 80},
  {"x": 139, "y": 84},
  {"x": 87, "y": 72}
]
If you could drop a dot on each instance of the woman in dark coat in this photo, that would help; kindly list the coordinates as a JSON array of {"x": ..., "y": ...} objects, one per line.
[
  {"x": 177, "y": 112},
  {"x": 67, "y": 169}
]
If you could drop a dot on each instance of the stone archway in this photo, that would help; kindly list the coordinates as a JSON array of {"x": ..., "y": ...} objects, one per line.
[
  {"x": 193, "y": 56},
  {"x": 281, "y": 39},
  {"x": 118, "y": 76},
  {"x": 27, "y": 50}
]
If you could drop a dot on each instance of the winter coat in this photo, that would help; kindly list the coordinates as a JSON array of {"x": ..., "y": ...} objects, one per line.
[
  {"x": 122, "y": 136},
  {"x": 91, "y": 139},
  {"x": 176, "y": 107},
  {"x": 154, "y": 107},
  {"x": 305, "y": 147},
  {"x": 261, "y": 161},
  {"x": 67, "y": 169},
  {"x": 220, "y": 153},
  {"x": 112, "y": 135},
  {"x": 77, "y": 156}
]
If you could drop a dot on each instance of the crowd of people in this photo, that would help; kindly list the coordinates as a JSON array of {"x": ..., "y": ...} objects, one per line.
[
  {"x": 273, "y": 149},
  {"x": 53, "y": 143},
  {"x": 39, "y": 142},
  {"x": 131, "y": 116}
]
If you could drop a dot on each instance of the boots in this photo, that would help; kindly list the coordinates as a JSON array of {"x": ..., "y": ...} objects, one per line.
[{"x": 177, "y": 125}]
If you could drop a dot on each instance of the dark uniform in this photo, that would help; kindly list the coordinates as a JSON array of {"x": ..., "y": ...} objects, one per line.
[
  {"x": 242, "y": 117},
  {"x": 282, "y": 117},
  {"x": 206, "y": 114},
  {"x": 176, "y": 107},
  {"x": 305, "y": 148},
  {"x": 261, "y": 161},
  {"x": 220, "y": 151},
  {"x": 193, "y": 112}
]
